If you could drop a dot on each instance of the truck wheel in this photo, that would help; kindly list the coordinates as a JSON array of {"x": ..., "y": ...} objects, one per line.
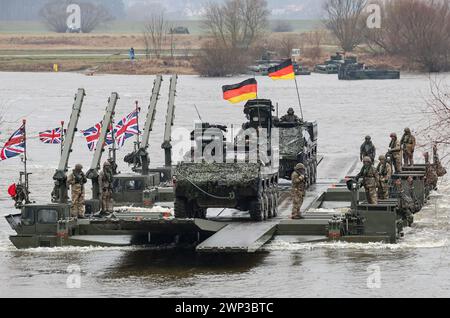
[
  {"x": 265, "y": 205},
  {"x": 200, "y": 213},
  {"x": 270, "y": 204},
  {"x": 256, "y": 213},
  {"x": 180, "y": 208},
  {"x": 275, "y": 204},
  {"x": 183, "y": 209}
]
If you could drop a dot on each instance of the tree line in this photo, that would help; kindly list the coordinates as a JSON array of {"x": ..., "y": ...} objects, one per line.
[{"x": 416, "y": 30}]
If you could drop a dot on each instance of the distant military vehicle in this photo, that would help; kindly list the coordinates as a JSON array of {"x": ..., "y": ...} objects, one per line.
[
  {"x": 333, "y": 65},
  {"x": 179, "y": 30},
  {"x": 351, "y": 70},
  {"x": 234, "y": 180},
  {"x": 298, "y": 144}
]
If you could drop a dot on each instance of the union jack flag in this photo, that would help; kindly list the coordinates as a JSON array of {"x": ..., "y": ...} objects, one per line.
[
  {"x": 126, "y": 128},
  {"x": 15, "y": 146},
  {"x": 53, "y": 137},
  {"x": 92, "y": 136}
]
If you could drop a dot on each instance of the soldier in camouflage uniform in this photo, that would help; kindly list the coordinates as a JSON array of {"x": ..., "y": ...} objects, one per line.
[
  {"x": 370, "y": 180},
  {"x": 298, "y": 190},
  {"x": 106, "y": 188},
  {"x": 395, "y": 152},
  {"x": 406, "y": 203},
  {"x": 290, "y": 117},
  {"x": 384, "y": 170},
  {"x": 408, "y": 144},
  {"x": 431, "y": 177},
  {"x": 440, "y": 169},
  {"x": 368, "y": 150},
  {"x": 76, "y": 181}
]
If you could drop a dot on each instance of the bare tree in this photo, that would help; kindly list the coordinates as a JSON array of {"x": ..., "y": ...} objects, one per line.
[
  {"x": 155, "y": 33},
  {"x": 417, "y": 30},
  {"x": 286, "y": 44},
  {"x": 235, "y": 27},
  {"x": 54, "y": 14},
  {"x": 345, "y": 19},
  {"x": 92, "y": 16},
  {"x": 314, "y": 41},
  {"x": 237, "y": 23},
  {"x": 436, "y": 119}
]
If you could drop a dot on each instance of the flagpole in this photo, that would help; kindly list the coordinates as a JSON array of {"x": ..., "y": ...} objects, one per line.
[
  {"x": 138, "y": 142},
  {"x": 62, "y": 136},
  {"x": 298, "y": 95},
  {"x": 25, "y": 158}
]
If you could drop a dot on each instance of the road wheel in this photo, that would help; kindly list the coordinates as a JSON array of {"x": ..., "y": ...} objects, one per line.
[
  {"x": 180, "y": 208},
  {"x": 256, "y": 213}
]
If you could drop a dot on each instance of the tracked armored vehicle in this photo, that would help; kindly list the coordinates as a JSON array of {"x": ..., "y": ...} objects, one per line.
[
  {"x": 239, "y": 177},
  {"x": 298, "y": 144}
]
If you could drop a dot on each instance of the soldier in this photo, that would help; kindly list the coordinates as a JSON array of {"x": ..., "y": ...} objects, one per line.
[
  {"x": 298, "y": 190},
  {"x": 76, "y": 181},
  {"x": 290, "y": 117},
  {"x": 408, "y": 144},
  {"x": 431, "y": 176},
  {"x": 384, "y": 170},
  {"x": 406, "y": 203},
  {"x": 368, "y": 149},
  {"x": 106, "y": 188},
  {"x": 370, "y": 180},
  {"x": 440, "y": 169},
  {"x": 395, "y": 152}
]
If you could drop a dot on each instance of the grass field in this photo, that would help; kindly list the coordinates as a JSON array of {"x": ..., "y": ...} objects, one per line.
[{"x": 130, "y": 27}]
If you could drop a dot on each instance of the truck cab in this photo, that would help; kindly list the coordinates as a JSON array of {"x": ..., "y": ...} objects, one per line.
[{"x": 37, "y": 225}]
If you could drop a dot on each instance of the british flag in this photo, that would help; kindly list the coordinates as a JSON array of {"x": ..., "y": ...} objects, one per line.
[
  {"x": 15, "y": 146},
  {"x": 126, "y": 128},
  {"x": 53, "y": 137},
  {"x": 92, "y": 136}
]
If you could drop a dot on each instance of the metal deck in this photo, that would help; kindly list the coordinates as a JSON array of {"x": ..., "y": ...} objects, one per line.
[{"x": 241, "y": 235}]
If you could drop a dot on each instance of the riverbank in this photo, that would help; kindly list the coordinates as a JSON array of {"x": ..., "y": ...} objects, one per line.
[{"x": 108, "y": 54}]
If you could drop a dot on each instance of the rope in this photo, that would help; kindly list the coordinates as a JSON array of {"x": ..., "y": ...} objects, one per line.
[{"x": 231, "y": 195}]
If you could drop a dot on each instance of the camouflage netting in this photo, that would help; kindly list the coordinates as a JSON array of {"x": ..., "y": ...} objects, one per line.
[
  {"x": 291, "y": 141},
  {"x": 225, "y": 174}
]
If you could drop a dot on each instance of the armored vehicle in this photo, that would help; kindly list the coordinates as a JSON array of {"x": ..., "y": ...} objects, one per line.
[
  {"x": 330, "y": 66},
  {"x": 298, "y": 144},
  {"x": 351, "y": 70},
  {"x": 237, "y": 176}
]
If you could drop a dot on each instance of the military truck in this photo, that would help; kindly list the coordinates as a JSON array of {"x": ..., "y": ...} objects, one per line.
[
  {"x": 239, "y": 177},
  {"x": 144, "y": 186},
  {"x": 298, "y": 144}
]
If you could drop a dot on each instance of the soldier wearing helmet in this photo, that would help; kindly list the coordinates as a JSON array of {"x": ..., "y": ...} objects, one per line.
[
  {"x": 431, "y": 176},
  {"x": 106, "y": 188},
  {"x": 384, "y": 170},
  {"x": 76, "y": 181},
  {"x": 395, "y": 152},
  {"x": 298, "y": 190},
  {"x": 368, "y": 149},
  {"x": 408, "y": 143},
  {"x": 370, "y": 180},
  {"x": 290, "y": 117}
]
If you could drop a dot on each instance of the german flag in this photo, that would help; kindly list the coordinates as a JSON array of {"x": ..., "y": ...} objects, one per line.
[
  {"x": 284, "y": 71},
  {"x": 241, "y": 92}
]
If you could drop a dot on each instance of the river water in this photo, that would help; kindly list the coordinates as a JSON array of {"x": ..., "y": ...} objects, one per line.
[{"x": 345, "y": 111}]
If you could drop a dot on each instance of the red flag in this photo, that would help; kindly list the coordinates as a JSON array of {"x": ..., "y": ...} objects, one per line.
[{"x": 12, "y": 190}]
